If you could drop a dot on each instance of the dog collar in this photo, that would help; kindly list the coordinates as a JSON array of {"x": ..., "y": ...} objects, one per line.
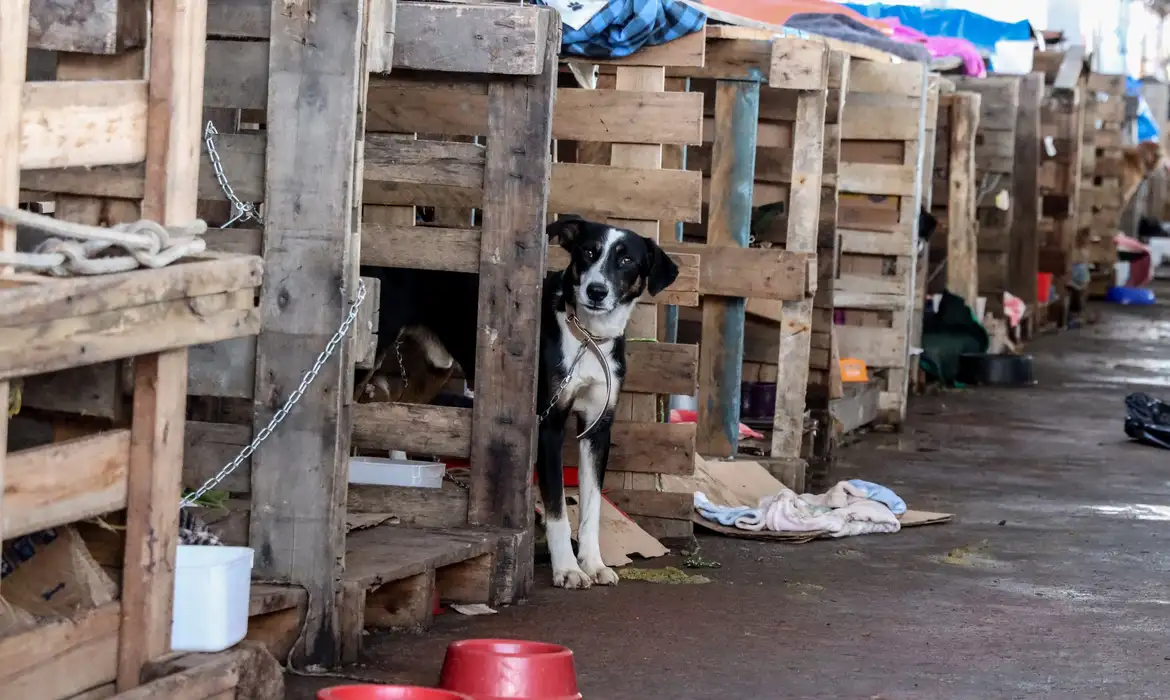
[{"x": 580, "y": 332}]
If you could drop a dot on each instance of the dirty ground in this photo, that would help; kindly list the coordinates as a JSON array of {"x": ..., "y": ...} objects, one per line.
[{"x": 1050, "y": 584}]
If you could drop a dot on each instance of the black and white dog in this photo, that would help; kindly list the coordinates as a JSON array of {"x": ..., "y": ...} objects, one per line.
[{"x": 584, "y": 312}]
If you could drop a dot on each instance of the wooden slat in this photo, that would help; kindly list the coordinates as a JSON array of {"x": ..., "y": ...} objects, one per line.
[
  {"x": 83, "y": 296},
  {"x": 393, "y": 158},
  {"x": 62, "y": 658},
  {"x": 499, "y": 39},
  {"x": 891, "y": 78},
  {"x": 687, "y": 51},
  {"x": 763, "y": 273},
  {"x": 628, "y": 193},
  {"x": 628, "y": 116},
  {"x": 511, "y": 272},
  {"x": 102, "y": 27},
  {"x": 316, "y": 84},
  {"x": 661, "y": 368},
  {"x": 804, "y": 203},
  {"x": 877, "y": 347},
  {"x": 84, "y": 123},
  {"x": 646, "y": 448},
  {"x": 875, "y": 178},
  {"x": 437, "y": 430},
  {"x": 65, "y": 482}
]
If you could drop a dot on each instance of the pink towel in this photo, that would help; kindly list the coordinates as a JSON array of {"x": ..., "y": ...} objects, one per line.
[{"x": 940, "y": 46}]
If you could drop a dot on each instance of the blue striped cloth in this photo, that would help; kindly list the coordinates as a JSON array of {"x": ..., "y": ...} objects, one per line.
[{"x": 625, "y": 26}]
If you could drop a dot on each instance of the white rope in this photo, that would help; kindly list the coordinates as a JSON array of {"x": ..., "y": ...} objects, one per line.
[{"x": 78, "y": 249}]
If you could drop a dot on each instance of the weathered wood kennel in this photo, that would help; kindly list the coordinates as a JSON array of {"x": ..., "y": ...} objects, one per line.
[
  {"x": 102, "y": 112},
  {"x": 880, "y": 180},
  {"x": 953, "y": 249}
]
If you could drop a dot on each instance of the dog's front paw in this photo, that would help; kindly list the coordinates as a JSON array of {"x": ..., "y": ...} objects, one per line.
[
  {"x": 601, "y": 574},
  {"x": 571, "y": 578}
]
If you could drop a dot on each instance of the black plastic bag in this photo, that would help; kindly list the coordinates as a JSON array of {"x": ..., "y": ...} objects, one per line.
[{"x": 1147, "y": 420}]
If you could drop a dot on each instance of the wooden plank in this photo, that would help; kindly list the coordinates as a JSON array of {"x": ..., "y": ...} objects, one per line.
[
  {"x": 729, "y": 224},
  {"x": 889, "y": 78},
  {"x": 152, "y": 510},
  {"x": 498, "y": 39},
  {"x": 1072, "y": 64},
  {"x": 877, "y": 347},
  {"x": 646, "y": 448},
  {"x": 1023, "y": 259},
  {"x": 102, "y": 27},
  {"x": 962, "y": 277},
  {"x": 661, "y": 368},
  {"x": 656, "y": 504},
  {"x": 413, "y": 428},
  {"x": 61, "y": 658},
  {"x": 212, "y": 678},
  {"x": 511, "y": 276},
  {"x": 686, "y": 51},
  {"x": 628, "y": 116},
  {"x": 760, "y": 273},
  {"x": 798, "y": 64},
  {"x": 396, "y": 158},
  {"x": 315, "y": 88},
  {"x": 66, "y": 299},
  {"x": 64, "y": 482},
  {"x": 13, "y": 59},
  {"x": 804, "y": 203},
  {"x": 83, "y": 123},
  {"x": 878, "y": 179},
  {"x": 126, "y": 333},
  {"x": 629, "y": 193}
]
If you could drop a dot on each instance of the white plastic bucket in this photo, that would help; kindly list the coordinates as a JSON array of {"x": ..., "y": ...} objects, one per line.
[{"x": 212, "y": 590}]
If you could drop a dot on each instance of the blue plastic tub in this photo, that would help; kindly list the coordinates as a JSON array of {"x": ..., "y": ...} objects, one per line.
[{"x": 1130, "y": 295}]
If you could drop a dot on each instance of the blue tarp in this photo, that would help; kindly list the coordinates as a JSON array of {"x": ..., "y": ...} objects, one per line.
[
  {"x": 1146, "y": 126},
  {"x": 981, "y": 31}
]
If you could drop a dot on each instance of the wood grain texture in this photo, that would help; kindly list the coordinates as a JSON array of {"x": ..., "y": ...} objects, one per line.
[
  {"x": 1023, "y": 259},
  {"x": 65, "y": 481},
  {"x": 729, "y": 223},
  {"x": 961, "y": 246},
  {"x": 96, "y": 27},
  {"x": 804, "y": 203},
  {"x": 152, "y": 511},
  {"x": 315, "y": 86},
  {"x": 511, "y": 275},
  {"x": 63, "y": 657},
  {"x": 83, "y": 123},
  {"x": 497, "y": 39},
  {"x": 14, "y": 39}
]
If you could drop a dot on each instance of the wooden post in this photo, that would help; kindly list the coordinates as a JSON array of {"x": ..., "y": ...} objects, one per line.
[
  {"x": 13, "y": 40},
  {"x": 513, "y": 253},
  {"x": 962, "y": 275},
  {"x": 804, "y": 208},
  {"x": 820, "y": 385},
  {"x": 178, "y": 35},
  {"x": 1025, "y": 250},
  {"x": 316, "y": 83},
  {"x": 733, "y": 166}
]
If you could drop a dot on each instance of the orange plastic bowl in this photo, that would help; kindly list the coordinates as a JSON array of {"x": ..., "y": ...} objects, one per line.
[
  {"x": 387, "y": 692},
  {"x": 509, "y": 669}
]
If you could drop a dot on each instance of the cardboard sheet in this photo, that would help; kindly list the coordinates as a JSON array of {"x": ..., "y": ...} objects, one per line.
[{"x": 620, "y": 537}]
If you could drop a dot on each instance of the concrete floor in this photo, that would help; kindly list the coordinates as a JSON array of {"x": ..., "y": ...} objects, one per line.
[{"x": 1050, "y": 582}]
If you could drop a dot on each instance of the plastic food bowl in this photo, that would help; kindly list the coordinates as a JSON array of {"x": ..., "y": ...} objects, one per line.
[
  {"x": 212, "y": 590},
  {"x": 387, "y": 692},
  {"x": 509, "y": 669}
]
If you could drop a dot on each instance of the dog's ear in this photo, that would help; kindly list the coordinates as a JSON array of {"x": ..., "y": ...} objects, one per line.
[
  {"x": 660, "y": 270},
  {"x": 566, "y": 230}
]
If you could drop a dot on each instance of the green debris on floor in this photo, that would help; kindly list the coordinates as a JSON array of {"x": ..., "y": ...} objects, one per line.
[{"x": 669, "y": 574}]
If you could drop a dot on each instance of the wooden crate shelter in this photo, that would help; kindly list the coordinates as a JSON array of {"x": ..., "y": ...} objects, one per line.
[
  {"x": 935, "y": 84},
  {"x": 954, "y": 246},
  {"x": 995, "y": 154},
  {"x": 1102, "y": 173},
  {"x": 731, "y": 103},
  {"x": 120, "y": 648},
  {"x": 880, "y": 181},
  {"x": 1062, "y": 195}
]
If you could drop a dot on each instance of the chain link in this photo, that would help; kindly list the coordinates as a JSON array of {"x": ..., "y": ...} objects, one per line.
[
  {"x": 244, "y": 211},
  {"x": 306, "y": 380}
]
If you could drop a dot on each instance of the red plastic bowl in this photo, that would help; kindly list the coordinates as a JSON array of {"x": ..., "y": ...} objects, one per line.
[
  {"x": 387, "y": 692},
  {"x": 509, "y": 669}
]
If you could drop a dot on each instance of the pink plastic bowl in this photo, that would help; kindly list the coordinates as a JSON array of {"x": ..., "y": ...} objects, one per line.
[
  {"x": 387, "y": 692},
  {"x": 509, "y": 669}
]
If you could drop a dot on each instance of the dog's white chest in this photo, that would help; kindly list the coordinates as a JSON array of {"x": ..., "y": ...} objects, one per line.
[{"x": 585, "y": 391}]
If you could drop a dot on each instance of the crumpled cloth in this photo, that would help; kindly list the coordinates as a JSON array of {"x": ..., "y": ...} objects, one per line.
[
  {"x": 842, "y": 511},
  {"x": 881, "y": 494}
]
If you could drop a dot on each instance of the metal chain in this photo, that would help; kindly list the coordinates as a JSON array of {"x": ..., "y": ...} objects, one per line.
[
  {"x": 306, "y": 380},
  {"x": 244, "y": 211}
]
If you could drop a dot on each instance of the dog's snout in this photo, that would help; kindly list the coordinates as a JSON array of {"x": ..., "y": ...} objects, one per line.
[{"x": 596, "y": 292}]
